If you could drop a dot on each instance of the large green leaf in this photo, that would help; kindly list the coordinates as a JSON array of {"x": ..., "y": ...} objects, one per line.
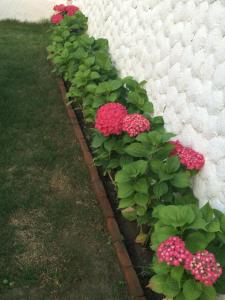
[
  {"x": 129, "y": 213},
  {"x": 192, "y": 289},
  {"x": 208, "y": 293},
  {"x": 160, "y": 267},
  {"x": 176, "y": 216},
  {"x": 126, "y": 202},
  {"x": 220, "y": 283},
  {"x": 125, "y": 190},
  {"x": 141, "y": 186},
  {"x": 141, "y": 199},
  {"x": 197, "y": 241},
  {"x": 121, "y": 177},
  {"x": 207, "y": 212},
  {"x": 172, "y": 164},
  {"x": 171, "y": 287},
  {"x": 160, "y": 189},
  {"x": 157, "y": 283},
  {"x": 137, "y": 150},
  {"x": 181, "y": 180},
  {"x": 161, "y": 234},
  {"x": 148, "y": 107},
  {"x": 177, "y": 273},
  {"x": 156, "y": 165},
  {"x": 136, "y": 168},
  {"x": 213, "y": 226},
  {"x": 98, "y": 140}
]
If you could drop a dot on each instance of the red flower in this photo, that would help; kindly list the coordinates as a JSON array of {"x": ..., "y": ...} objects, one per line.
[
  {"x": 135, "y": 123},
  {"x": 109, "y": 118},
  {"x": 172, "y": 251},
  {"x": 71, "y": 10},
  {"x": 55, "y": 19},
  {"x": 188, "y": 157},
  {"x": 59, "y": 8},
  {"x": 203, "y": 267}
]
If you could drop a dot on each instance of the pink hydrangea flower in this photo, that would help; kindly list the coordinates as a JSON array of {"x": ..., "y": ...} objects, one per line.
[
  {"x": 204, "y": 267},
  {"x": 135, "y": 123},
  {"x": 57, "y": 18},
  {"x": 71, "y": 9},
  {"x": 59, "y": 8},
  {"x": 172, "y": 251},
  {"x": 109, "y": 118},
  {"x": 188, "y": 157}
]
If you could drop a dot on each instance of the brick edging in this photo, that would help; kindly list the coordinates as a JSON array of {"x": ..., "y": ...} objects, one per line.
[{"x": 135, "y": 290}]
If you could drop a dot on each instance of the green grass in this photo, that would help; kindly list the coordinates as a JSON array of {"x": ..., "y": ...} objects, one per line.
[{"x": 53, "y": 241}]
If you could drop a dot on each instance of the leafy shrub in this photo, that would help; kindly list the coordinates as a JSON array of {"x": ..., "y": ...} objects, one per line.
[{"x": 151, "y": 173}]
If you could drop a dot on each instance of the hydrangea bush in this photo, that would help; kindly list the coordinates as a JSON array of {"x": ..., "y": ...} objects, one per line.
[{"x": 151, "y": 170}]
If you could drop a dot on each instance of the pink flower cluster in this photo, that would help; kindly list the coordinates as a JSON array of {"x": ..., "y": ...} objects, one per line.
[
  {"x": 112, "y": 118},
  {"x": 188, "y": 157},
  {"x": 109, "y": 118},
  {"x": 135, "y": 123},
  {"x": 202, "y": 265},
  {"x": 172, "y": 251},
  {"x": 62, "y": 9}
]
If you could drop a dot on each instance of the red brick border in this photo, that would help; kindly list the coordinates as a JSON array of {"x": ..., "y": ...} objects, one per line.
[{"x": 135, "y": 290}]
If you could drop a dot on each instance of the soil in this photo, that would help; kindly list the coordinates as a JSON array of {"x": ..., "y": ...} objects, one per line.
[{"x": 140, "y": 255}]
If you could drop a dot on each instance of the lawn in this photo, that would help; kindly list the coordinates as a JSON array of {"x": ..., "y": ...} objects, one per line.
[{"x": 53, "y": 241}]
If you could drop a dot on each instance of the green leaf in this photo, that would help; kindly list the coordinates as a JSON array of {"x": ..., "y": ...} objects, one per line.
[
  {"x": 180, "y": 296},
  {"x": 115, "y": 84},
  {"x": 125, "y": 190},
  {"x": 220, "y": 283},
  {"x": 161, "y": 234},
  {"x": 141, "y": 199},
  {"x": 98, "y": 140},
  {"x": 148, "y": 107},
  {"x": 141, "y": 186},
  {"x": 176, "y": 216},
  {"x": 129, "y": 213},
  {"x": 192, "y": 289},
  {"x": 207, "y": 212},
  {"x": 113, "y": 97},
  {"x": 137, "y": 150},
  {"x": 160, "y": 267},
  {"x": 113, "y": 164},
  {"x": 157, "y": 283},
  {"x": 209, "y": 293},
  {"x": 95, "y": 75},
  {"x": 121, "y": 177},
  {"x": 126, "y": 202},
  {"x": 125, "y": 159},
  {"x": 181, "y": 180},
  {"x": 196, "y": 241},
  {"x": 213, "y": 226},
  {"x": 160, "y": 189},
  {"x": 171, "y": 287},
  {"x": 156, "y": 165},
  {"x": 135, "y": 168},
  {"x": 172, "y": 164},
  {"x": 177, "y": 273},
  {"x": 91, "y": 88},
  {"x": 141, "y": 210},
  {"x": 221, "y": 218}
]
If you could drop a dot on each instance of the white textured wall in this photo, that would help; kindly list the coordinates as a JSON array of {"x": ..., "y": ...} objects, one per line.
[
  {"x": 27, "y": 10},
  {"x": 179, "y": 48}
]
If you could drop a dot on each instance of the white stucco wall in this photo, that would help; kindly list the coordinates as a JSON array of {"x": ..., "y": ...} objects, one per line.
[
  {"x": 27, "y": 10},
  {"x": 179, "y": 48}
]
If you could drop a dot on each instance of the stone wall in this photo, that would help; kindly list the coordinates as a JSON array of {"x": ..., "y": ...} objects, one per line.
[{"x": 179, "y": 48}]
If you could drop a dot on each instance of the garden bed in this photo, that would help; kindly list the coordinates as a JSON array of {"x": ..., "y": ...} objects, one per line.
[
  {"x": 139, "y": 254},
  {"x": 151, "y": 171}
]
